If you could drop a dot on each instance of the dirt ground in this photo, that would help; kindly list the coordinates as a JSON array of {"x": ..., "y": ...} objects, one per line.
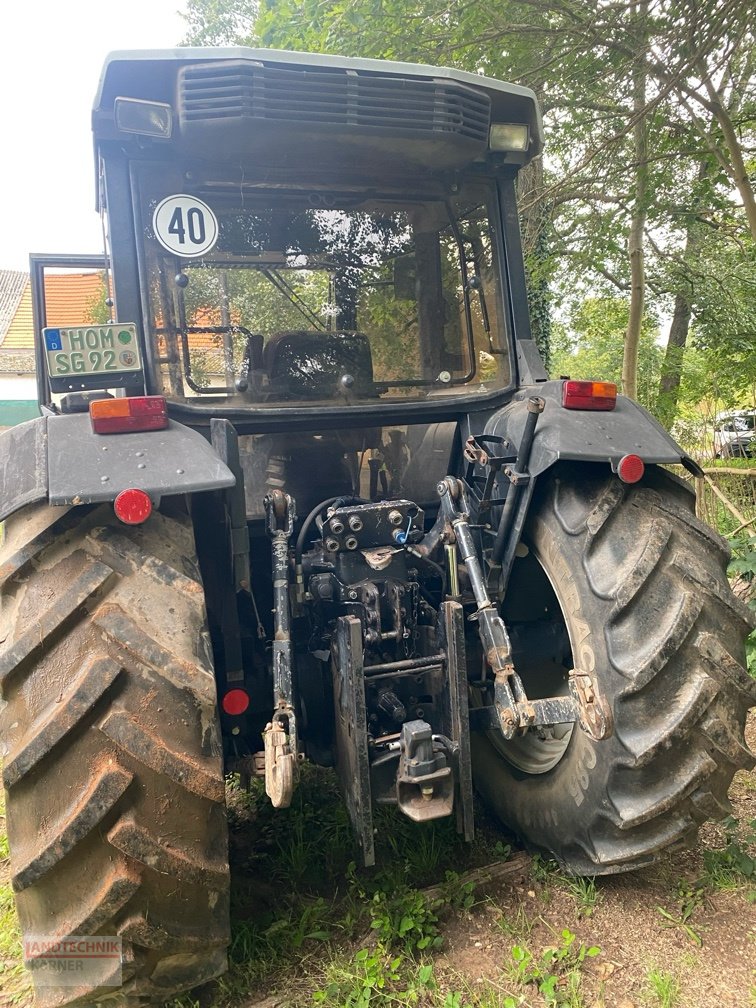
[
  {"x": 627, "y": 927},
  {"x": 714, "y": 963},
  {"x": 663, "y": 939}
]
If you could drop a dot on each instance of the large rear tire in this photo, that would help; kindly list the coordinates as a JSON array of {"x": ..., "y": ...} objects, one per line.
[
  {"x": 641, "y": 587},
  {"x": 112, "y": 754}
]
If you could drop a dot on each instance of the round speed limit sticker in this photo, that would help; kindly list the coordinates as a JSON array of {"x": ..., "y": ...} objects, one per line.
[{"x": 185, "y": 225}]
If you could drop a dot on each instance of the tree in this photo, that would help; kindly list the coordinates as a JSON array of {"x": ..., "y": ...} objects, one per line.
[
  {"x": 590, "y": 346},
  {"x": 220, "y": 22},
  {"x": 651, "y": 116}
]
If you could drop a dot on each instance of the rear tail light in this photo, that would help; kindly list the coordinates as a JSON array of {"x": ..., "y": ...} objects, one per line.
[
  {"x": 589, "y": 395},
  {"x": 119, "y": 416},
  {"x": 132, "y": 506},
  {"x": 630, "y": 468},
  {"x": 235, "y": 701}
]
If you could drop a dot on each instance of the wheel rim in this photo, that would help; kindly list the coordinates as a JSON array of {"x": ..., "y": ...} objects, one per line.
[
  {"x": 532, "y": 754},
  {"x": 539, "y": 750}
]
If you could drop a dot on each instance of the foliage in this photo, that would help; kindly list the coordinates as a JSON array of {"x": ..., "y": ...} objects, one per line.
[
  {"x": 310, "y": 927},
  {"x": 725, "y": 322},
  {"x": 690, "y": 138},
  {"x": 734, "y": 864},
  {"x": 375, "y": 978},
  {"x": 556, "y": 972},
  {"x": 742, "y": 571},
  {"x": 591, "y": 346},
  {"x": 663, "y": 987},
  {"x": 405, "y": 919},
  {"x": 220, "y": 22},
  {"x": 98, "y": 309},
  {"x": 689, "y": 900},
  {"x": 586, "y": 893}
]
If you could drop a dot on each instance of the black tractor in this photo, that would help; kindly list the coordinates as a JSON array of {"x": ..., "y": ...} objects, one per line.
[{"x": 301, "y": 490}]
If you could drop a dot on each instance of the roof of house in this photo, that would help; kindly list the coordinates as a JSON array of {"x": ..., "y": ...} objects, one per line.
[
  {"x": 12, "y": 285},
  {"x": 19, "y": 334},
  {"x": 69, "y": 299}
]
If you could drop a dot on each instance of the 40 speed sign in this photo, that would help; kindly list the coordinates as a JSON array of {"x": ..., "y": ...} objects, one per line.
[{"x": 184, "y": 225}]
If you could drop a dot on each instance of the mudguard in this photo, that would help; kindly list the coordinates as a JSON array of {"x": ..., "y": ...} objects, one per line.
[
  {"x": 586, "y": 435},
  {"x": 23, "y": 465},
  {"x": 61, "y": 459}
]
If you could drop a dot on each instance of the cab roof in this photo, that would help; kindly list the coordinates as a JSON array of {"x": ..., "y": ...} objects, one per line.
[{"x": 151, "y": 75}]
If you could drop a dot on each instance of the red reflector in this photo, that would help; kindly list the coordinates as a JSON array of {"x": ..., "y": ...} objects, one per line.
[
  {"x": 235, "y": 701},
  {"x": 132, "y": 506},
  {"x": 630, "y": 468},
  {"x": 137, "y": 413},
  {"x": 589, "y": 395}
]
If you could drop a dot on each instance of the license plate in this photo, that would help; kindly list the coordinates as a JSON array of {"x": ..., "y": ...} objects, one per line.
[{"x": 92, "y": 350}]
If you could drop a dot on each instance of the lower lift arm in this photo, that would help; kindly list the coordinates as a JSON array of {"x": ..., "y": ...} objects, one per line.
[
  {"x": 280, "y": 735},
  {"x": 513, "y": 712}
]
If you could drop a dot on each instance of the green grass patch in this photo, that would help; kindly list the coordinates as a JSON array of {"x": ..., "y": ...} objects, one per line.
[
  {"x": 733, "y": 866},
  {"x": 556, "y": 972},
  {"x": 662, "y": 989}
]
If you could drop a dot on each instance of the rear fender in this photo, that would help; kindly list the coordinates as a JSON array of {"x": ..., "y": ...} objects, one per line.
[
  {"x": 60, "y": 459},
  {"x": 590, "y": 436}
]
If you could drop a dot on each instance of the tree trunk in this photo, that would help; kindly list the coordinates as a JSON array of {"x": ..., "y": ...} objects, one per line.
[
  {"x": 535, "y": 246},
  {"x": 638, "y": 220},
  {"x": 671, "y": 372},
  {"x": 669, "y": 383}
]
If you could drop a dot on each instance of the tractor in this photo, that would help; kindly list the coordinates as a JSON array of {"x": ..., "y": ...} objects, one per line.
[{"x": 301, "y": 489}]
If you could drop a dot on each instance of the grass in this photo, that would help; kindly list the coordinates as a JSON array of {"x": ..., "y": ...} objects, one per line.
[
  {"x": 584, "y": 889},
  {"x": 662, "y": 989},
  {"x": 689, "y": 900},
  {"x": 733, "y": 866},
  {"x": 556, "y": 972},
  {"x": 308, "y": 921},
  {"x": 515, "y": 924}
]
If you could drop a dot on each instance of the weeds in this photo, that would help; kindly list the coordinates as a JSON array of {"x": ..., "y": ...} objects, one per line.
[
  {"x": 375, "y": 979},
  {"x": 502, "y": 850},
  {"x": 459, "y": 897},
  {"x": 544, "y": 870},
  {"x": 556, "y": 972},
  {"x": 517, "y": 926},
  {"x": 583, "y": 888},
  {"x": 587, "y": 896},
  {"x": 421, "y": 851},
  {"x": 732, "y": 866},
  {"x": 689, "y": 899},
  {"x": 405, "y": 920},
  {"x": 300, "y": 905},
  {"x": 662, "y": 987}
]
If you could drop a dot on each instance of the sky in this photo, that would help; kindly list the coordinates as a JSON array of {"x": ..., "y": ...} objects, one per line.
[{"x": 52, "y": 55}]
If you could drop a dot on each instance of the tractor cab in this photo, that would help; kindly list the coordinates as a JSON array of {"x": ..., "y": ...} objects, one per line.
[
  {"x": 306, "y": 243},
  {"x": 304, "y": 233}
]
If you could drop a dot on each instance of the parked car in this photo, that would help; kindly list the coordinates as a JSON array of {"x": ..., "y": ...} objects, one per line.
[{"x": 735, "y": 434}]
